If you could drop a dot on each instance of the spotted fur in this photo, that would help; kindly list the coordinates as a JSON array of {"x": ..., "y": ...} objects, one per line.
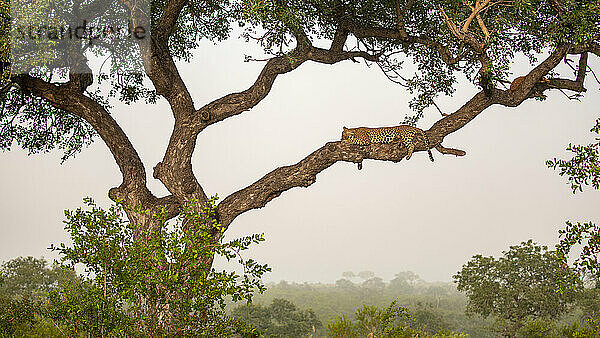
[{"x": 404, "y": 133}]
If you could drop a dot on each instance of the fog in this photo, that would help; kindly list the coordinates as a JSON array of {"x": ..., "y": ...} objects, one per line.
[{"x": 415, "y": 215}]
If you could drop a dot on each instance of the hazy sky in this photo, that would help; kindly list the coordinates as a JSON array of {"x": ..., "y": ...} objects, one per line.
[{"x": 389, "y": 217}]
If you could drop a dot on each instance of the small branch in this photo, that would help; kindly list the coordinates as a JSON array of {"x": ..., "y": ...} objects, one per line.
[
  {"x": 453, "y": 29},
  {"x": 438, "y": 108},
  {"x": 450, "y": 151},
  {"x": 594, "y": 74},
  {"x": 362, "y": 32},
  {"x": 475, "y": 14},
  {"x": 58, "y": 327},
  {"x": 400, "y": 14},
  {"x": 574, "y": 97}
]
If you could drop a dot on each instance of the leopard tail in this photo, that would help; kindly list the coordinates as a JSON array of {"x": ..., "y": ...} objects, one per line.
[{"x": 426, "y": 140}]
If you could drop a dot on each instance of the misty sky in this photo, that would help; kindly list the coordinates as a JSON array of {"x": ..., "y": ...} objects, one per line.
[{"x": 389, "y": 217}]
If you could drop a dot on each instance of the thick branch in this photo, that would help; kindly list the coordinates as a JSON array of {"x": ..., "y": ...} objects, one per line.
[
  {"x": 304, "y": 173},
  {"x": 513, "y": 98},
  {"x": 67, "y": 97},
  {"x": 475, "y": 11},
  {"x": 339, "y": 39},
  {"x": 175, "y": 170},
  {"x": 574, "y": 85},
  {"x": 400, "y": 14},
  {"x": 236, "y": 103}
]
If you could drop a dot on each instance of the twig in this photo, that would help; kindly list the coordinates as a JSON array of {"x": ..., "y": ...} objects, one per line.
[
  {"x": 593, "y": 73},
  {"x": 59, "y": 329},
  {"x": 438, "y": 108}
]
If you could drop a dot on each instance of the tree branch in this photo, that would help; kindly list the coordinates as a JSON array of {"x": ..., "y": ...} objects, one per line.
[
  {"x": 237, "y": 103},
  {"x": 304, "y": 173},
  {"x": 67, "y": 97},
  {"x": 393, "y": 34},
  {"x": 513, "y": 98},
  {"x": 573, "y": 85},
  {"x": 175, "y": 170},
  {"x": 450, "y": 151},
  {"x": 400, "y": 14}
]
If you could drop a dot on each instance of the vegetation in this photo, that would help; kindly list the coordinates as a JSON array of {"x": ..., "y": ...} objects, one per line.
[
  {"x": 31, "y": 278},
  {"x": 126, "y": 282},
  {"x": 370, "y": 321},
  {"x": 140, "y": 275},
  {"x": 521, "y": 285},
  {"x": 279, "y": 319},
  {"x": 583, "y": 169},
  {"x": 290, "y": 309},
  {"x": 434, "y": 307},
  {"x": 48, "y": 104}
]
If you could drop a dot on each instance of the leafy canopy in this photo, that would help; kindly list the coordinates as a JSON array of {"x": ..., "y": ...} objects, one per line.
[
  {"x": 522, "y": 284},
  {"x": 507, "y": 29}
]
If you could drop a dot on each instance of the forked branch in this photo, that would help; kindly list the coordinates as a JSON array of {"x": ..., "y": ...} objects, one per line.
[{"x": 304, "y": 173}]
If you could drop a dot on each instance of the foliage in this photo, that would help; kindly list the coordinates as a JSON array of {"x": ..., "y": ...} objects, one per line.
[
  {"x": 543, "y": 328},
  {"x": 24, "y": 286},
  {"x": 134, "y": 277},
  {"x": 431, "y": 320},
  {"x": 16, "y": 315},
  {"x": 280, "y": 319},
  {"x": 434, "y": 306},
  {"x": 583, "y": 169},
  {"x": 38, "y": 127},
  {"x": 31, "y": 278},
  {"x": 371, "y": 321},
  {"x": 589, "y": 302},
  {"x": 512, "y": 28},
  {"x": 520, "y": 285},
  {"x": 366, "y": 274},
  {"x": 405, "y": 281},
  {"x": 587, "y": 237}
]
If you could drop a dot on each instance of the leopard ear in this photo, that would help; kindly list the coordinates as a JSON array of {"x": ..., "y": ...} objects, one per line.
[{"x": 345, "y": 128}]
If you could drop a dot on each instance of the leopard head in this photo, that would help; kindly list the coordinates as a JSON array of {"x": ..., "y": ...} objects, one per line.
[{"x": 347, "y": 134}]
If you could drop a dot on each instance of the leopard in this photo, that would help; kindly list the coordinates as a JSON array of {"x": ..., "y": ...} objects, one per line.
[{"x": 402, "y": 133}]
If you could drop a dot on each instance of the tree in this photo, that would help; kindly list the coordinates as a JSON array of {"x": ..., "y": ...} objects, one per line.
[
  {"x": 371, "y": 321},
  {"x": 365, "y": 275},
  {"x": 405, "y": 281},
  {"x": 31, "y": 278},
  {"x": 348, "y": 274},
  {"x": 522, "y": 284},
  {"x": 280, "y": 319},
  {"x": 430, "y": 320},
  {"x": 50, "y": 104},
  {"x": 374, "y": 284},
  {"x": 145, "y": 288},
  {"x": 16, "y": 315},
  {"x": 344, "y": 284}
]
